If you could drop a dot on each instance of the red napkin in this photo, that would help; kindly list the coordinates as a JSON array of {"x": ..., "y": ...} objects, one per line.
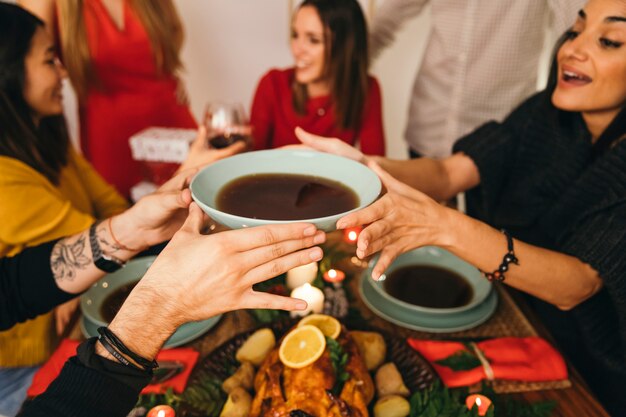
[
  {"x": 521, "y": 359},
  {"x": 52, "y": 368}
]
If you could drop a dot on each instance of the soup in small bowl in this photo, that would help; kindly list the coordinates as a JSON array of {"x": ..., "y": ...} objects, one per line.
[
  {"x": 104, "y": 299},
  {"x": 284, "y": 186},
  {"x": 433, "y": 280}
]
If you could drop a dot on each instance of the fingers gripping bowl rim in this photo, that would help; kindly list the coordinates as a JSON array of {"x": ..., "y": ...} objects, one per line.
[{"x": 209, "y": 181}]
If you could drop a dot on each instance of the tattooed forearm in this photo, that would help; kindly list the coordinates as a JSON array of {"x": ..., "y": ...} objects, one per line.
[
  {"x": 69, "y": 256},
  {"x": 106, "y": 245}
]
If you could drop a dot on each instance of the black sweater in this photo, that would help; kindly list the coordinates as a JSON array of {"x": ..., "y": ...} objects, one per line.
[
  {"x": 88, "y": 385},
  {"x": 27, "y": 286},
  {"x": 543, "y": 181}
]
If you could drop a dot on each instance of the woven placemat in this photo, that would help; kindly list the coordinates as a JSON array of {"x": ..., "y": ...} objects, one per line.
[{"x": 508, "y": 320}]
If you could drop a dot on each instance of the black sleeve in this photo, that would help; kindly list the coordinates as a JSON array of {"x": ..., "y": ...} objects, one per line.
[
  {"x": 89, "y": 385},
  {"x": 600, "y": 241},
  {"x": 493, "y": 147},
  {"x": 27, "y": 286}
]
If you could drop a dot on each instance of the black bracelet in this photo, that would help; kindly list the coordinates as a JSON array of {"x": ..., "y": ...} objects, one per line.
[
  {"x": 110, "y": 337},
  {"x": 498, "y": 274},
  {"x": 104, "y": 342}
]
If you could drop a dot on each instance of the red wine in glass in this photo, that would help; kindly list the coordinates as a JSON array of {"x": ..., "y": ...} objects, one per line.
[
  {"x": 224, "y": 140},
  {"x": 226, "y": 124}
]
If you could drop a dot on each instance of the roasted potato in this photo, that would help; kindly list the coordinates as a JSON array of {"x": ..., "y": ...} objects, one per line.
[
  {"x": 243, "y": 377},
  {"x": 389, "y": 381},
  {"x": 392, "y": 406},
  {"x": 238, "y": 403},
  {"x": 372, "y": 348},
  {"x": 256, "y": 348}
]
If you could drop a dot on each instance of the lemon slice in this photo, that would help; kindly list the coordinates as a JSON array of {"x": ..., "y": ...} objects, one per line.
[
  {"x": 327, "y": 324},
  {"x": 302, "y": 346}
]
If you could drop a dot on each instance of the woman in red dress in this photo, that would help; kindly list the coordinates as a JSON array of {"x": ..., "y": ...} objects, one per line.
[
  {"x": 328, "y": 92},
  {"x": 122, "y": 57}
]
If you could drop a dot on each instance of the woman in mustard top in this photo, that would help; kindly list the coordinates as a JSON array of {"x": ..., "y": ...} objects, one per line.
[{"x": 47, "y": 190}]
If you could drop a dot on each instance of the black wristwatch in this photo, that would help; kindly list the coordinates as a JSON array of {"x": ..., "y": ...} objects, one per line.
[{"x": 101, "y": 261}]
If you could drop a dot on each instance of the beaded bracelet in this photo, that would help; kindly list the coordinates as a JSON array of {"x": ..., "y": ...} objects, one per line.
[
  {"x": 120, "y": 347},
  {"x": 498, "y": 274}
]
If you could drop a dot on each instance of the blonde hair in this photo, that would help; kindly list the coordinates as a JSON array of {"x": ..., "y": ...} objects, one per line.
[{"x": 159, "y": 18}]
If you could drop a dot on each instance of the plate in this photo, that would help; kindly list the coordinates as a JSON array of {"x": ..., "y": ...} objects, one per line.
[
  {"x": 415, "y": 370},
  {"x": 425, "y": 321},
  {"x": 434, "y": 256},
  {"x": 185, "y": 333},
  {"x": 92, "y": 299},
  {"x": 209, "y": 181}
]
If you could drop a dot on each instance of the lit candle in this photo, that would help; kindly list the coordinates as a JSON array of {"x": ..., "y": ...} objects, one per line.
[
  {"x": 483, "y": 403},
  {"x": 312, "y": 295},
  {"x": 301, "y": 275},
  {"x": 334, "y": 276},
  {"x": 162, "y": 411},
  {"x": 351, "y": 234}
]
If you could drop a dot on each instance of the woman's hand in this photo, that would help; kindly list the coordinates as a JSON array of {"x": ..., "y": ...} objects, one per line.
[
  {"x": 401, "y": 220},
  {"x": 329, "y": 145},
  {"x": 198, "y": 276},
  {"x": 200, "y": 154},
  {"x": 156, "y": 217},
  {"x": 63, "y": 314}
]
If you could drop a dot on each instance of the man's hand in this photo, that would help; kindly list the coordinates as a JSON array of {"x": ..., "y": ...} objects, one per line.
[{"x": 198, "y": 276}]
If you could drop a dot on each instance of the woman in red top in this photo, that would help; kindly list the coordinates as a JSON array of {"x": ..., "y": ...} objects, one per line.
[
  {"x": 328, "y": 92},
  {"x": 122, "y": 57}
]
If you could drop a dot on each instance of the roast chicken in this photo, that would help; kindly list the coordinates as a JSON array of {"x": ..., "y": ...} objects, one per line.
[{"x": 286, "y": 392}]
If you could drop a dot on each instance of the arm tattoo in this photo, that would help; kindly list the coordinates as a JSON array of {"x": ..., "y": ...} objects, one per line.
[
  {"x": 68, "y": 257},
  {"x": 107, "y": 247}
]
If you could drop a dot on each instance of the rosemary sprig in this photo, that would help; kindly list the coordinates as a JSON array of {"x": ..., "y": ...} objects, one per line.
[{"x": 339, "y": 359}]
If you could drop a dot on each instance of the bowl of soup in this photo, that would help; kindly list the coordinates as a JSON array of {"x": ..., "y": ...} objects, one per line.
[
  {"x": 284, "y": 186},
  {"x": 432, "y": 280}
]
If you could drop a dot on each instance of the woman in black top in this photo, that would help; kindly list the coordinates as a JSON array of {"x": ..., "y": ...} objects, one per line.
[{"x": 553, "y": 174}]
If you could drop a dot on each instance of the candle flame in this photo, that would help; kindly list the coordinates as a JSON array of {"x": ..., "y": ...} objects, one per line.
[
  {"x": 332, "y": 273},
  {"x": 352, "y": 236},
  {"x": 478, "y": 402}
]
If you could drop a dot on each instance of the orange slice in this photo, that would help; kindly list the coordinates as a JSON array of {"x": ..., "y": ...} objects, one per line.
[
  {"x": 329, "y": 325},
  {"x": 302, "y": 346}
]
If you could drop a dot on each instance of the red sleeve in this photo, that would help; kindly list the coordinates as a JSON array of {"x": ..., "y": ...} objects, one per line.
[
  {"x": 371, "y": 135},
  {"x": 261, "y": 117}
]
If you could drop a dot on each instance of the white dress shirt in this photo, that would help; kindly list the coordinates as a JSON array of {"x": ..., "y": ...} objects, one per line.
[{"x": 481, "y": 61}]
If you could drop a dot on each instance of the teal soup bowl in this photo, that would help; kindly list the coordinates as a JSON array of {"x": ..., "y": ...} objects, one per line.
[{"x": 210, "y": 181}]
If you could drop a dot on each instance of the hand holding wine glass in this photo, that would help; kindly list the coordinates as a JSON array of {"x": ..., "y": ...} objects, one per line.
[{"x": 226, "y": 123}]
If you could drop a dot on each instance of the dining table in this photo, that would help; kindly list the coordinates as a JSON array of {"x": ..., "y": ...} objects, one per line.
[{"x": 512, "y": 317}]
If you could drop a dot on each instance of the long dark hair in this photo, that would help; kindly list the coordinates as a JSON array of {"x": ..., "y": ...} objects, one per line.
[
  {"x": 615, "y": 132},
  {"x": 43, "y": 147},
  {"x": 346, "y": 61}
]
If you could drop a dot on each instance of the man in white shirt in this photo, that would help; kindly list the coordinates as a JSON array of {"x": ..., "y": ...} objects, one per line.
[{"x": 481, "y": 61}]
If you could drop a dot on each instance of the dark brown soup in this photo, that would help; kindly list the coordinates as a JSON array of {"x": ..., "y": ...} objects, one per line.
[
  {"x": 285, "y": 197},
  {"x": 428, "y": 286},
  {"x": 114, "y": 301}
]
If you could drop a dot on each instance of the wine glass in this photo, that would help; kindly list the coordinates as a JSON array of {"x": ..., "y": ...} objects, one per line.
[{"x": 226, "y": 123}]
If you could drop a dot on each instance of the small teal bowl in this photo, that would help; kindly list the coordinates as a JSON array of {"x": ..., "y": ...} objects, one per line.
[
  {"x": 434, "y": 256},
  {"x": 91, "y": 301},
  {"x": 207, "y": 184}
]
